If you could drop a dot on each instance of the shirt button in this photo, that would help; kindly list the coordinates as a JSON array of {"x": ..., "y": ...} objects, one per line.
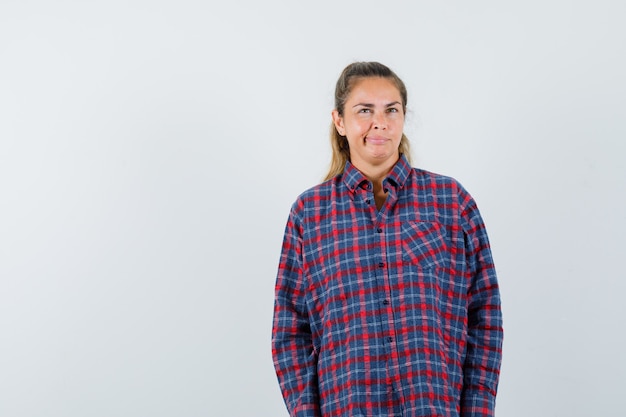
[
  {"x": 379, "y": 230},
  {"x": 389, "y": 339},
  {"x": 381, "y": 264},
  {"x": 367, "y": 201},
  {"x": 385, "y": 302}
]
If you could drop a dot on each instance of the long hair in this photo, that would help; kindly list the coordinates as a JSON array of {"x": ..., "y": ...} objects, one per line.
[{"x": 348, "y": 78}]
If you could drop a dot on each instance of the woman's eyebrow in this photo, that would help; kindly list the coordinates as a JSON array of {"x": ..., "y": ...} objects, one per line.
[{"x": 370, "y": 105}]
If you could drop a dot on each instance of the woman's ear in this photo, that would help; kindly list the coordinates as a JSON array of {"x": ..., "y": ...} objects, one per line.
[{"x": 338, "y": 121}]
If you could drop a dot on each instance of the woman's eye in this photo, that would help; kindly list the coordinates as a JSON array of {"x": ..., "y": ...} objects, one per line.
[
  {"x": 392, "y": 110},
  {"x": 365, "y": 111}
]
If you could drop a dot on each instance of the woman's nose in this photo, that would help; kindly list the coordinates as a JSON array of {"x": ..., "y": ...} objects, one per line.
[{"x": 379, "y": 122}]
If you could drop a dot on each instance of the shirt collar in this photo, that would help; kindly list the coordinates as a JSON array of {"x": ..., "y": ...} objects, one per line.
[{"x": 353, "y": 178}]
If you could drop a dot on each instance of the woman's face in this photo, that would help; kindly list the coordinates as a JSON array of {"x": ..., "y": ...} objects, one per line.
[{"x": 373, "y": 122}]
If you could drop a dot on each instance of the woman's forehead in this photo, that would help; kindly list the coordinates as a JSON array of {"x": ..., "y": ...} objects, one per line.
[{"x": 375, "y": 88}]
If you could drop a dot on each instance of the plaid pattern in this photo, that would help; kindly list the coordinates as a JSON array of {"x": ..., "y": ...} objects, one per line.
[{"x": 387, "y": 313}]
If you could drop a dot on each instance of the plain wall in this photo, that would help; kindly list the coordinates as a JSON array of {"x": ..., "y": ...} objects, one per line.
[{"x": 150, "y": 151}]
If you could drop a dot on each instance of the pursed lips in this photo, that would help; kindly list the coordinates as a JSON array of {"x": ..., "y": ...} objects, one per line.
[{"x": 376, "y": 140}]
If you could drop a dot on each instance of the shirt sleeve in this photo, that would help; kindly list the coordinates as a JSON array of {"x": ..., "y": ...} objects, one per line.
[
  {"x": 295, "y": 358},
  {"x": 481, "y": 369}
]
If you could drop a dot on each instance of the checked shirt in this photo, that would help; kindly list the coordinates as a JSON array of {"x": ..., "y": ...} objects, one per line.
[{"x": 390, "y": 312}]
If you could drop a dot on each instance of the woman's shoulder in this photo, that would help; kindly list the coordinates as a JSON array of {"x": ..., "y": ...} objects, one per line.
[
  {"x": 433, "y": 179},
  {"x": 441, "y": 187},
  {"x": 320, "y": 191},
  {"x": 318, "y": 196}
]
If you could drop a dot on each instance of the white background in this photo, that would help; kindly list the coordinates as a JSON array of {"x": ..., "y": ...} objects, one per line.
[{"x": 150, "y": 151}]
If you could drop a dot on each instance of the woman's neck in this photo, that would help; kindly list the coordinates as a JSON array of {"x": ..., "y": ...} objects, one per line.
[{"x": 376, "y": 174}]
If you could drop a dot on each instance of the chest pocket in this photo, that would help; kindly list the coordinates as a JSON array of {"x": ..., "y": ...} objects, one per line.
[{"x": 424, "y": 244}]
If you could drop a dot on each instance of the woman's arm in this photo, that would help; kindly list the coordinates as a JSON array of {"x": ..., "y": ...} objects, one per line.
[
  {"x": 484, "y": 339},
  {"x": 295, "y": 358}
]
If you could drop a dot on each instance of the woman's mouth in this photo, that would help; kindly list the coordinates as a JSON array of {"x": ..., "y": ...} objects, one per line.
[{"x": 376, "y": 140}]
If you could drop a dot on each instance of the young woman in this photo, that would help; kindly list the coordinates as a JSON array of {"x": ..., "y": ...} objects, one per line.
[{"x": 387, "y": 302}]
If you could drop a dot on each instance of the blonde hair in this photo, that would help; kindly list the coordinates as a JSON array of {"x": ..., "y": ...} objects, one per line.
[{"x": 348, "y": 78}]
